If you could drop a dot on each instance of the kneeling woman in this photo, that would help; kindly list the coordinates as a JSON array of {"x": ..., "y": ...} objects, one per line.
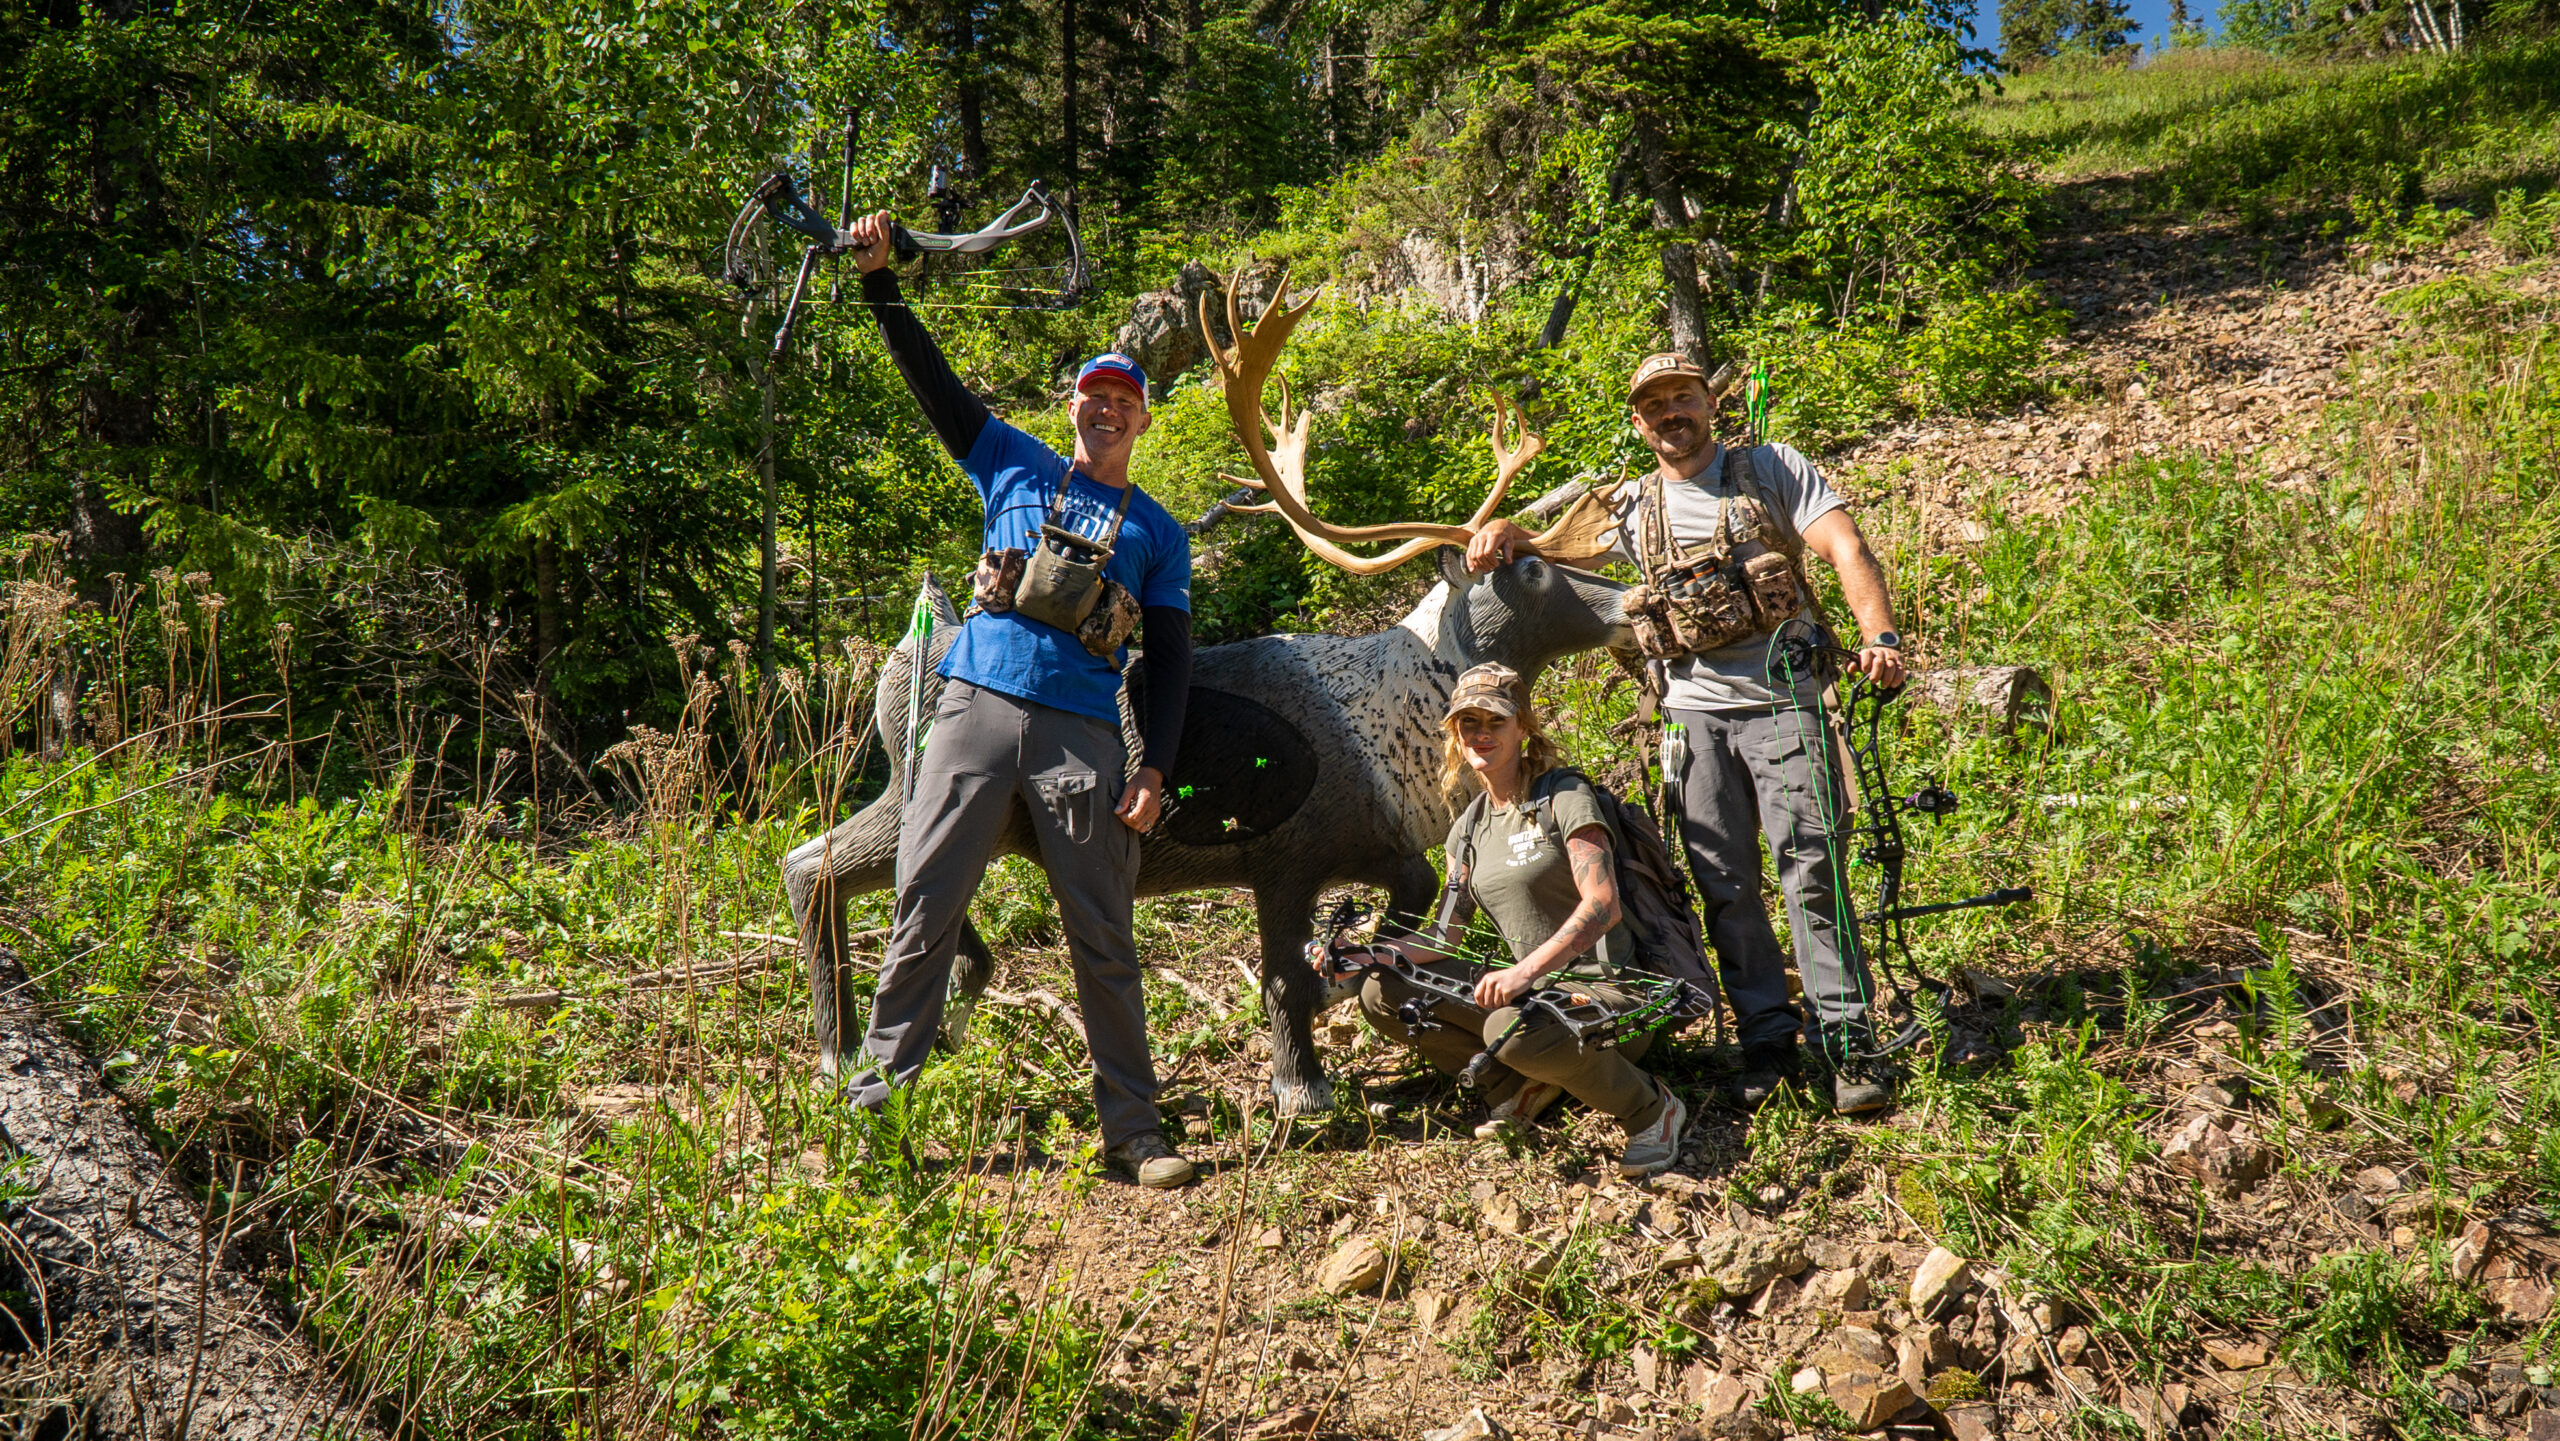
[{"x": 1549, "y": 885}]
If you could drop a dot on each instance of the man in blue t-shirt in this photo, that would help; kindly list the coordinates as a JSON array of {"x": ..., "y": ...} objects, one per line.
[{"x": 1030, "y": 721}]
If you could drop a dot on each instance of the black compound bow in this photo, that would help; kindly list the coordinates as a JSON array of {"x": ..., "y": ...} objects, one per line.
[
  {"x": 1875, "y": 830},
  {"x": 1660, "y": 1003},
  {"x": 777, "y": 201}
]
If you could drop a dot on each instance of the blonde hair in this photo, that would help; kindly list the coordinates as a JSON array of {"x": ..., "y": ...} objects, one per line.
[{"x": 1539, "y": 754}]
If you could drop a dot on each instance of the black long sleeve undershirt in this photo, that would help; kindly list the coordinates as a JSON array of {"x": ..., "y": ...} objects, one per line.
[
  {"x": 956, "y": 415},
  {"x": 1167, "y": 663}
]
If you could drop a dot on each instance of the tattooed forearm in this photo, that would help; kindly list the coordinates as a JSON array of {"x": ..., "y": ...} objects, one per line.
[{"x": 1597, "y": 910}]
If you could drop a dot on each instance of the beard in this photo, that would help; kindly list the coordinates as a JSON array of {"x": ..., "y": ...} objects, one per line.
[{"x": 1680, "y": 436}]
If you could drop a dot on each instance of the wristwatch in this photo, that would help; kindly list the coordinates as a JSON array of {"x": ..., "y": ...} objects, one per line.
[{"x": 1888, "y": 641}]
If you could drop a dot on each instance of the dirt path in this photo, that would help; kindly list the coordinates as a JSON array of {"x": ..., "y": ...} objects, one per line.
[
  {"x": 1515, "y": 1266},
  {"x": 2201, "y": 339}
]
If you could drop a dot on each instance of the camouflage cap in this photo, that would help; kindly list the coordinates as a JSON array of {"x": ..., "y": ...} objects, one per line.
[
  {"x": 1667, "y": 364},
  {"x": 1494, "y": 689}
]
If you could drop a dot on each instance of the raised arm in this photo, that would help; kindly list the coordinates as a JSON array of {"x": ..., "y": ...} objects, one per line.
[{"x": 956, "y": 415}]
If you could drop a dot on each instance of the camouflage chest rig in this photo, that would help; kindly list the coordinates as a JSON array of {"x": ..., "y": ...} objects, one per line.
[{"x": 1745, "y": 577}]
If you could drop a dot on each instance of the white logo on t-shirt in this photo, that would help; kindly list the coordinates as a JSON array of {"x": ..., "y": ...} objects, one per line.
[{"x": 1524, "y": 846}]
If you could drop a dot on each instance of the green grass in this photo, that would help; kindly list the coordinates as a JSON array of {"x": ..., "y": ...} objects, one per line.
[
  {"x": 2304, "y": 745},
  {"x": 2220, "y": 128},
  {"x": 2307, "y": 733}
]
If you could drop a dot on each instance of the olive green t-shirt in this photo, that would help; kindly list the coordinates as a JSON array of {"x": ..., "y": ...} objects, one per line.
[{"x": 1522, "y": 877}]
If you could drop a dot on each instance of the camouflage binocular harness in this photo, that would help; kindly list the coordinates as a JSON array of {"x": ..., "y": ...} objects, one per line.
[
  {"x": 1059, "y": 581},
  {"x": 1745, "y": 579}
]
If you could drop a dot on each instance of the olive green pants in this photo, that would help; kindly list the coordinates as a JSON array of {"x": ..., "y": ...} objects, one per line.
[{"x": 1606, "y": 1080}]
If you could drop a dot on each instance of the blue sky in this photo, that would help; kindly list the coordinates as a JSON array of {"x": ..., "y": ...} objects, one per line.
[{"x": 2153, "y": 15}]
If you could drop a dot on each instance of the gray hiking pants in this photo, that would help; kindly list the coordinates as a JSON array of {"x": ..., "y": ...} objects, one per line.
[
  {"x": 990, "y": 755},
  {"x": 1751, "y": 772}
]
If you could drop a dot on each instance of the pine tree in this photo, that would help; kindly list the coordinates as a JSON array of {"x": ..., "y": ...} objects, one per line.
[{"x": 2035, "y": 30}]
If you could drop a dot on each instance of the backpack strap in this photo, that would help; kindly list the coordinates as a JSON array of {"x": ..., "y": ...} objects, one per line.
[
  {"x": 1652, "y": 528},
  {"x": 1109, "y": 540},
  {"x": 1462, "y": 866},
  {"x": 1542, "y": 806},
  {"x": 1748, "y": 479},
  {"x": 1789, "y": 538}
]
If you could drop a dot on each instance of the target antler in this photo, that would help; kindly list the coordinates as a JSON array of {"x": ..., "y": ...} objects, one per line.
[{"x": 1280, "y": 461}]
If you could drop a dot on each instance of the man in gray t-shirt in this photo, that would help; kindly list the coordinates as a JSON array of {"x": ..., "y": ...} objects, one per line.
[{"x": 1757, "y": 760}]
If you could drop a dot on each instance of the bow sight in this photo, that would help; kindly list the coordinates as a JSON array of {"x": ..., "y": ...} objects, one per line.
[
  {"x": 1876, "y": 829},
  {"x": 1660, "y": 1003},
  {"x": 776, "y": 200}
]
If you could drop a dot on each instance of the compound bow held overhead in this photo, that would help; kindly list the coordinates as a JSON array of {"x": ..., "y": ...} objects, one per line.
[
  {"x": 1660, "y": 1003},
  {"x": 1875, "y": 829},
  {"x": 777, "y": 201}
]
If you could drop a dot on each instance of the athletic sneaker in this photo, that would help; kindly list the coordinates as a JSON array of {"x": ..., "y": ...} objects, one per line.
[
  {"x": 1656, "y": 1146},
  {"x": 1157, "y": 1165},
  {"x": 1520, "y": 1112},
  {"x": 956, "y": 1015}
]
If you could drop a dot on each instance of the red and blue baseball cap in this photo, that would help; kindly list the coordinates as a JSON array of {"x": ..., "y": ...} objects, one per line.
[{"x": 1112, "y": 365}]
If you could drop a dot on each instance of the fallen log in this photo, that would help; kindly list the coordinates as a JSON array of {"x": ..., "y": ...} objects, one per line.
[
  {"x": 124, "y": 1294},
  {"x": 2007, "y": 696}
]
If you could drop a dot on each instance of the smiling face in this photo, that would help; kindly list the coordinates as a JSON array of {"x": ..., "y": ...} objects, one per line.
[
  {"x": 1109, "y": 418},
  {"x": 1491, "y": 744},
  {"x": 1672, "y": 415}
]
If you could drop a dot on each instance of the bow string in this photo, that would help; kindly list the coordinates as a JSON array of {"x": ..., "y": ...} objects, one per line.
[{"x": 1875, "y": 830}]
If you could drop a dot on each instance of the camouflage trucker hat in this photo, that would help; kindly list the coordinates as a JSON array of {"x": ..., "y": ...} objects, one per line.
[
  {"x": 1494, "y": 689},
  {"x": 1664, "y": 364}
]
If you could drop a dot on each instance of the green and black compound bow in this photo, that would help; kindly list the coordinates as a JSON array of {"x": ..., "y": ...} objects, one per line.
[
  {"x": 1659, "y": 1003},
  {"x": 1799, "y": 652}
]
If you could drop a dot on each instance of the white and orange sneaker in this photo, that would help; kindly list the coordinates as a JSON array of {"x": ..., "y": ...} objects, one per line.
[
  {"x": 1654, "y": 1148},
  {"x": 1520, "y": 1112}
]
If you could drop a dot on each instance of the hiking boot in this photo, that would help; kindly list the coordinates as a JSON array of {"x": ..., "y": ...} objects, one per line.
[
  {"x": 1655, "y": 1147},
  {"x": 1766, "y": 1065},
  {"x": 1857, "y": 1092},
  {"x": 1520, "y": 1112},
  {"x": 1861, "y": 1080},
  {"x": 954, "y": 1032},
  {"x": 1157, "y": 1165}
]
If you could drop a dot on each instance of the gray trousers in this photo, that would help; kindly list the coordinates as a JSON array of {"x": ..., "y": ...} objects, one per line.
[
  {"x": 989, "y": 757},
  {"x": 1751, "y": 772}
]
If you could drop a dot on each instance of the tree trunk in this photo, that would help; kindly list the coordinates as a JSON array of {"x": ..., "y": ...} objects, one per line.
[
  {"x": 1679, "y": 258},
  {"x": 115, "y": 417},
  {"x": 1190, "y": 44},
  {"x": 1332, "y": 107},
  {"x": 546, "y": 612},
  {"x": 118, "y": 401},
  {"x": 1067, "y": 85},
  {"x": 772, "y": 577},
  {"x": 972, "y": 88},
  {"x": 118, "y": 1268}
]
